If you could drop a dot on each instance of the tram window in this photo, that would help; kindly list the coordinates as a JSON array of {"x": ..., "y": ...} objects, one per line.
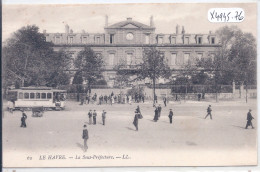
[
  {"x": 38, "y": 95},
  {"x": 32, "y": 95},
  {"x": 48, "y": 95},
  {"x": 26, "y": 95},
  {"x": 43, "y": 95},
  {"x": 20, "y": 95}
]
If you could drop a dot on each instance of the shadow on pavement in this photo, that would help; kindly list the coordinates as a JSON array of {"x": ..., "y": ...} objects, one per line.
[
  {"x": 238, "y": 126},
  {"x": 130, "y": 128},
  {"x": 80, "y": 146}
]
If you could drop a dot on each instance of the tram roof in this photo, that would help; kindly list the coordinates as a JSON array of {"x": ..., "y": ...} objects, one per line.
[{"x": 38, "y": 88}]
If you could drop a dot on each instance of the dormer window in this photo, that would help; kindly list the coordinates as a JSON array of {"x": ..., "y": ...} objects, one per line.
[
  {"x": 160, "y": 40},
  {"x": 57, "y": 39},
  {"x": 84, "y": 40},
  {"x": 173, "y": 40},
  {"x": 199, "y": 40},
  {"x": 186, "y": 40},
  {"x": 70, "y": 40},
  {"x": 111, "y": 39},
  {"x": 147, "y": 39},
  {"x": 212, "y": 40}
]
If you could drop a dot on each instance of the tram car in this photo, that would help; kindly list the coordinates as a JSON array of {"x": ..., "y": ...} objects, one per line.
[{"x": 27, "y": 98}]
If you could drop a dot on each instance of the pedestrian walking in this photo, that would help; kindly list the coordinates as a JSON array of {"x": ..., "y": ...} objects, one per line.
[
  {"x": 209, "y": 112},
  {"x": 159, "y": 111},
  {"x": 155, "y": 115},
  {"x": 85, "y": 137},
  {"x": 249, "y": 119},
  {"x": 170, "y": 115},
  {"x": 136, "y": 120},
  {"x": 105, "y": 98},
  {"x": 90, "y": 117},
  {"x": 155, "y": 98},
  {"x": 199, "y": 97},
  {"x": 165, "y": 101},
  {"x": 104, "y": 117},
  {"x": 23, "y": 120},
  {"x": 94, "y": 117},
  {"x": 82, "y": 100},
  {"x": 138, "y": 109}
]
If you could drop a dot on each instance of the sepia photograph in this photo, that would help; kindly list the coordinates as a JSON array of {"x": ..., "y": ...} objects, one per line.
[{"x": 123, "y": 85}]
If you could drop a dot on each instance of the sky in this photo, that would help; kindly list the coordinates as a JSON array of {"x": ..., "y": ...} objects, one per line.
[{"x": 91, "y": 17}]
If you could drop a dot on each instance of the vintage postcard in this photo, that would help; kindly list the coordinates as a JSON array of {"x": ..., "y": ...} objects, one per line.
[{"x": 108, "y": 85}]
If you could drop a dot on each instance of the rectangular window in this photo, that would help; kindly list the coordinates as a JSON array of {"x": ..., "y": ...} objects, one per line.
[
  {"x": 26, "y": 95},
  {"x": 199, "y": 40},
  {"x": 186, "y": 40},
  {"x": 98, "y": 40},
  {"x": 199, "y": 56},
  {"x": 186, "y": 58},
  {"x": 147, "y": 39},
  {"x": 49, "y": 95},
  {"x": 111, "y": 59},
  {"x": 129, "y": 58},
  {"x": 32, "y": 95},
  {"x": 212, "y": 40},
  {"x": 173, "y": 58},
  {"x": 20, "y": 95},
  {"x": 43, "y": 96},
  {"x": 38, "y": 95},
  {"x": 160, "y": 40},
  {"x": 111, "y": 39}
]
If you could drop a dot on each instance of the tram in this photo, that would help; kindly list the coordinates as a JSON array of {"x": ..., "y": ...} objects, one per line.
[{"x": 27, "y": 98}]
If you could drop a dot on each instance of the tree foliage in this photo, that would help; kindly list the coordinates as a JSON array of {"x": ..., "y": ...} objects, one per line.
[
  {"x": 28, "y": 57},
  {"x": 235, "y": 59},
  {"x": 90, "y": 65},
  {"x": 154, "y": 66}
]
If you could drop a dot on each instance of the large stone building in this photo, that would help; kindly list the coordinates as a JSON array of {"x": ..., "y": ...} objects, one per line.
[{"x": 125, "y": 41}]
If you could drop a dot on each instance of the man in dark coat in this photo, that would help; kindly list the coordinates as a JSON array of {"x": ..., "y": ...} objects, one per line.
[
  {"x": 170, "y": 115},
  {"x": 138, "y": 109},
  {"x": 136, "y": 120},
  {"x": 85, "y": 137},
  {"x": 90, "y": 117},
  {"x": 105, "y": 98},
  {"x": 164, "y": 101},
  {"x": 249, "y": 119},
  {"x": 24, "y": 117},
  {"x": 209, "y": 112},
  {"x": 159, "y": 111},
  {"x": 104, "y": 117},
  {"x": 155, "y": 114},
  {"x": 94, "y": 117}
]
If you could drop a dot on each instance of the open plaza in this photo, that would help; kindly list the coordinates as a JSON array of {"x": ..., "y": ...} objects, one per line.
[{"x": 189, "y": 140}]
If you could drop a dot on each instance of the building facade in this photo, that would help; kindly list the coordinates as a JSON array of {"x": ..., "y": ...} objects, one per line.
[{"x": 124, "y": 42}]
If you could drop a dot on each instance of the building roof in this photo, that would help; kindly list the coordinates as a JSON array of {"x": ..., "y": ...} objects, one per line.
[{"x": 129, "y": 23}]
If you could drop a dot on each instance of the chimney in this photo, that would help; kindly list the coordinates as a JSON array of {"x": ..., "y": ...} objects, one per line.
[
  {"x": 106, "y": 21},
  {"x": 183, "y": 31},
  {"x": 83, "y": 31},
  {"x": 67, "y": 28},
  {"x": 71, "y": 31},
  {"x": 210, "y": 32},
  {"x": 44, "y": 31},
  {"x": 151, "y": 22},
  {"x": 177, "y": 29},
  {"x": 129, "y": 19}
]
